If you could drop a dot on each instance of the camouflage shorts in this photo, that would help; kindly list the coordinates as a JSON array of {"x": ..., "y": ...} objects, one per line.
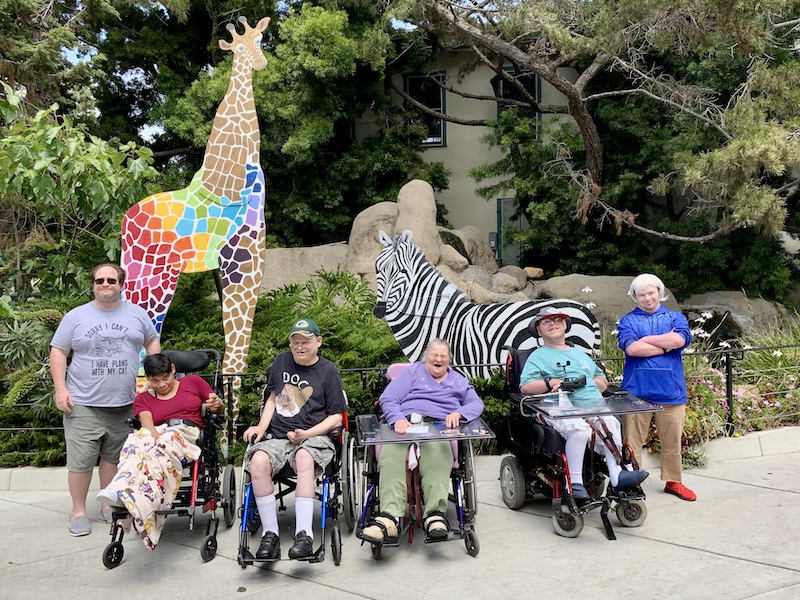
[{"x": 282, "y": 451}]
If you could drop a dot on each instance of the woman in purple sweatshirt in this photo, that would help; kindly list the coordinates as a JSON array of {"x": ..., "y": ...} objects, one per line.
[{"x": 429, "y": 388}]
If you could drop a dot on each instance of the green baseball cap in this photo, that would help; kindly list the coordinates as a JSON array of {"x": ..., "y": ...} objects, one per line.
[{"x": 305, "y": 327}]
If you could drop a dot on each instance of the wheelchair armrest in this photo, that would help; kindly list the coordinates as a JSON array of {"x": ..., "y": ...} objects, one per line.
[
  {"x": 215, "y": 419},
  {"x": 336, "y": 432},
  {"x": 614, "y": 390},
  {"x": 133, "y": 422}
]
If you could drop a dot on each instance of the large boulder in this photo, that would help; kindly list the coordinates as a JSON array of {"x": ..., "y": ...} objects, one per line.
[
  {"x": 416, "y": 206},
  {"x": 452, "y": 258},
  {"x": 473, "y": 274},
  {"x": 298, "y": 265},
  {"x": 503, "y": 283},
  {"x": 519, "y": 274},
  {"x": 476, "y": 246},
  {"x": 736, "y": 312},
  {"x": 364, "y": 246},
  {"x": 609, "y": 294}
]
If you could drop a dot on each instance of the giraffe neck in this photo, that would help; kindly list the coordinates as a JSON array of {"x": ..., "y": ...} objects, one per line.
[{"x": 235, "y": 139}]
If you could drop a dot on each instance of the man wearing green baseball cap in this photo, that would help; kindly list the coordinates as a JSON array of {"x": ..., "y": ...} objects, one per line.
[{"x": 304, "y": 403}]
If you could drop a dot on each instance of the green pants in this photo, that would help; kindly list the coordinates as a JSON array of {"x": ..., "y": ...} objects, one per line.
[{"x": 435, "y": 464}]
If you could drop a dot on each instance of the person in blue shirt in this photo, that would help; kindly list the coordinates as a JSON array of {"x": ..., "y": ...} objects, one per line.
[
  {"x": 544, "y": 372},
  {"x": 652, "y": 337}
]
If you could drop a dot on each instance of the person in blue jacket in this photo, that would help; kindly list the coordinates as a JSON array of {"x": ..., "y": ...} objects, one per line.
[{"x": 652, "y": 337}]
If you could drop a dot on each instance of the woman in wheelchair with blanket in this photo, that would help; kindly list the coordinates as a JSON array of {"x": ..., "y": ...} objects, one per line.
[
  {"x": 150, "y": 464},
  {"x": 426, "y": 389},
  {"x": 558, "y": 364}
]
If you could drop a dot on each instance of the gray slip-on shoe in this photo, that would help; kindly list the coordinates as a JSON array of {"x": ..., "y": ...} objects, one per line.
[{"x": 79, "y": 526}]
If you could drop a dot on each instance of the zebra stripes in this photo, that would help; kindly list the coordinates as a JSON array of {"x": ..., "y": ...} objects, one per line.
[{"x": 420, "y": 304}]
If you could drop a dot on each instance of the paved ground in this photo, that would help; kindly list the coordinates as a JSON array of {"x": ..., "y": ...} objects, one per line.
[{"x": 738, "y": 541}]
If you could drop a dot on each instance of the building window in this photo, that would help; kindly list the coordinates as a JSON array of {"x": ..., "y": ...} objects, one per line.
[
  {"x": 427, "y": 89},
  {"x": 506, "y": 89}
]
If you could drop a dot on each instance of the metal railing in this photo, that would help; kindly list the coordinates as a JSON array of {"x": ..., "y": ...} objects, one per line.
[{"x": 771, "y": 382}]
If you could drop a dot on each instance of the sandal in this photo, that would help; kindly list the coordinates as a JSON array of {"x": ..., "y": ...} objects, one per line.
[
  {"x": 382, "y": 529},
  {"x": 436, "y": 527}
]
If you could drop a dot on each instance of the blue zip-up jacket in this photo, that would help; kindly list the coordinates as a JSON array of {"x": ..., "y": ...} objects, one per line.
[{"x": 659, "y": 378}]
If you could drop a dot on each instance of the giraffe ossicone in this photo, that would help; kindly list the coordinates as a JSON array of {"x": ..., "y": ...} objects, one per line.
[{"x": 217, "y": 221}]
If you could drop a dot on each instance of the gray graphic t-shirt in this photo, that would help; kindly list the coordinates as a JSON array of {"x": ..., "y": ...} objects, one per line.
[{"x": 105, "y": 348}]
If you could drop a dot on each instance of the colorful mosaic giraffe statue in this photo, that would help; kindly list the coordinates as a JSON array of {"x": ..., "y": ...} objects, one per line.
[{"x": 217, "y": 222}]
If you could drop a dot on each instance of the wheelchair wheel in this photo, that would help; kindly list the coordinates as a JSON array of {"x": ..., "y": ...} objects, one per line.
[
  {"x": 336, "y": 544},
  {"x": 631, "y": 514},
  {"x": 566, "y": 523},
  {"x": 348, "y": 481},
  {"x": 472, "y": 543},
  {"x": 229, "y": 495},
  {"x": 512, "y": 483},
  {"x": 209, "y": 548},
  {"x": 113, "y": 554},
  {"x": 470, "y": 485}
]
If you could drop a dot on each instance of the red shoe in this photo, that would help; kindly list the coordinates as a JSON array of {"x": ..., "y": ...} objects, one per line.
[{"x": 676, "y": 488}]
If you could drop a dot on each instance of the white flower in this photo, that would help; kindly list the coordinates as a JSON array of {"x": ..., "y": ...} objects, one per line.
[
  {"x": 617, "y": 377},
  {"x": 587, "y": 290},
  {"x": 777, "y": 353},
  {"x": 697, "y": 331},
  {"x": 590, "y": 305},
  {"x": 689, "y": 351},
  {"x": 704, "y": 334},
  {"x": 706, "y": 315},
  {"x": 724, "y": 344},
  {"x": 747, "y": 347},
  {"x": 615, "y": 332}
]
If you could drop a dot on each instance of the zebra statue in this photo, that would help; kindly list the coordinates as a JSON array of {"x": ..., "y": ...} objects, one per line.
[{"x": 420, "y": 304}]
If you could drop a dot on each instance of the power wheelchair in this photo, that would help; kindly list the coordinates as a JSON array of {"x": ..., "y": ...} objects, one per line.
[
  {"x": 363, "y": 479},
  {"x": 206, "y": 483},
  {"x": 538, "y": 463},
  {"x": 330, "y": 495}
]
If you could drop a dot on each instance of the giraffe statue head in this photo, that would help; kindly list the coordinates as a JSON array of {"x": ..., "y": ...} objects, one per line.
[{"x": 249, "y": 43}]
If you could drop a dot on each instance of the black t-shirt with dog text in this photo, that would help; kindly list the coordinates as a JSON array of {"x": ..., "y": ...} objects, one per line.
[{"x": 304, "y": 395}]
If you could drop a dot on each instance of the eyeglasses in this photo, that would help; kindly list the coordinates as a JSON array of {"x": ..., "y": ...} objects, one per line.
[
  {"x": 102, "y": 280},
  {"x": 305, "y": 344},
  {"x": 553, "y": 320}
]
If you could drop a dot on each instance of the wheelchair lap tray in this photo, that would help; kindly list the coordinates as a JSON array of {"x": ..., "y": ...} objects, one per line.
[
  {"x": 371, "y": 431},
  {"x": 367, "y": 426}
]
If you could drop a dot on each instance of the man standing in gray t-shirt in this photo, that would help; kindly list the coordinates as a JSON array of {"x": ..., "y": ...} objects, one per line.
[{"x": 96, "y": 393}]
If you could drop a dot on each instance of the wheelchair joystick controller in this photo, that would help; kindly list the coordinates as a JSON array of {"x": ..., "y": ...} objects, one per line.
[{"x": 570, "y": 384}]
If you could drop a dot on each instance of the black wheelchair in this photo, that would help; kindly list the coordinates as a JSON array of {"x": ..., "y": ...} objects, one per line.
[
  {"x": 538, "y": 465},
  {"x": 362, "y": 472},
  {"x": 206, "y": 484},
  {"x": 330, "y": 493}
]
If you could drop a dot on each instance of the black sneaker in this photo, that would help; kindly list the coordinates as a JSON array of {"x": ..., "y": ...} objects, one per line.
[
  {"x": 270, "y": 548},
  {"x": 303, "y": 547}
]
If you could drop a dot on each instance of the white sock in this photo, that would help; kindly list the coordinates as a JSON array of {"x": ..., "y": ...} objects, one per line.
[
  {"x": 304, "y": 516},
  {"x": 575, "y": 448},
  {"x": 613, "y": 468},
  {"x": 268, "y": 512}
]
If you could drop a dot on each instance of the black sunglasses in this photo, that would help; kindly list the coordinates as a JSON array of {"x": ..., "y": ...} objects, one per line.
[{"x": 101, "y": 280}]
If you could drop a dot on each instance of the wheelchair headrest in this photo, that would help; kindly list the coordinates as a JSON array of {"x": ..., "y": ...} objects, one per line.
[
  {"x": 518, "y": 360},
  {"x": 395, "y": 369},
  {"x": 189, "y": 361}
]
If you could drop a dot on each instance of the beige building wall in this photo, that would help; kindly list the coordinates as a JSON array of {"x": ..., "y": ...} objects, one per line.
[{"x": 463, "y": 146}]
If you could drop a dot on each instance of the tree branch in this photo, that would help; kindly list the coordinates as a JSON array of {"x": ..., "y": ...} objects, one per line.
[
  {"x": 434, "y": 113},
  {"x": 657, "y": 98}
]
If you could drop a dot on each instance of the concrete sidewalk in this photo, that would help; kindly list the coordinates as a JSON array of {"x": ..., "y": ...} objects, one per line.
[{"x": 738, "y": 541}]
